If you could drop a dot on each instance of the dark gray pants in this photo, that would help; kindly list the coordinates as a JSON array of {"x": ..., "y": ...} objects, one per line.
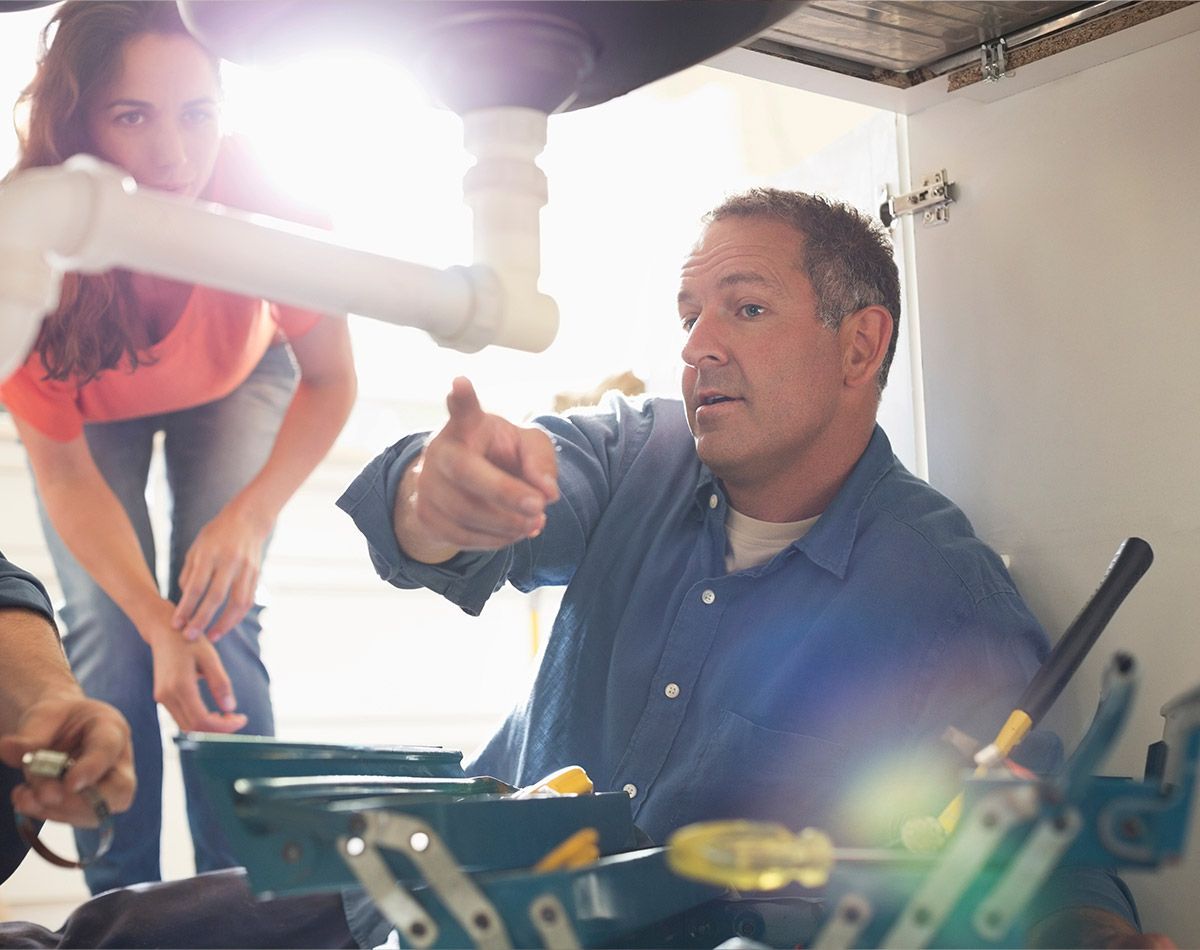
[{"x": 216, "y": 910}]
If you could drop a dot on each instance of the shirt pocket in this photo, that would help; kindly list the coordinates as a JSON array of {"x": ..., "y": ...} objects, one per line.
[{"x": 752, "y": 772}]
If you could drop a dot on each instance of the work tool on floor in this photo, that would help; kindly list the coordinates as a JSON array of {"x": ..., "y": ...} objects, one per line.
[
  {"x": 1132, "y": 560},
  {"x": 1015, "y": 832}
]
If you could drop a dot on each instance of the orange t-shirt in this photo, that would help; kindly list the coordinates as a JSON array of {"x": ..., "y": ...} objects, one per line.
[{"x": 219, "y": 339}]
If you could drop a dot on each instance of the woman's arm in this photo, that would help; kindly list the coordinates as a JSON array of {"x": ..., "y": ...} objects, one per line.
[
  {"x": 92, "y": 523},
  {"x": 225, "y": 559}
]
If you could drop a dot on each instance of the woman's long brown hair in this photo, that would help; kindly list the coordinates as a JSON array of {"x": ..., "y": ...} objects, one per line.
[{"x": 96, "y": 326}]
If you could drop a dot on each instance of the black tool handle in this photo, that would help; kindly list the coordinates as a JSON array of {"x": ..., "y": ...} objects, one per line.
[{"x": 1132, "y": 560}]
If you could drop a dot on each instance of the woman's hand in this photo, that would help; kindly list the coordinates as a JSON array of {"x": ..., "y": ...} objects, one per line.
[
  {"x": 97, "y": 738},
  {"x": 178, "y": 666},
  {"x": 223, "y": 563},
  {"x": 221, "y": 567}
]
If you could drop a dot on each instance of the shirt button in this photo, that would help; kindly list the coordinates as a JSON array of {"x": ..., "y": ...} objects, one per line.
[
  {"x": 630, "y": 790},
  {"x": 672, "y": 690},
  {"x": 708, "y": 597},
  {"x": 713, "y": 500}
]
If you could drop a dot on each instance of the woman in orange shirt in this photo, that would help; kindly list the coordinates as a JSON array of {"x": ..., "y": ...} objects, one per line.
[{"x": 248, "y": 397}]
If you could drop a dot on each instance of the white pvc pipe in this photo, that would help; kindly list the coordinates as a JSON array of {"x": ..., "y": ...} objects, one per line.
[
  {"x": 505, "y": 190},
  {"x": 88, "y": 216}
]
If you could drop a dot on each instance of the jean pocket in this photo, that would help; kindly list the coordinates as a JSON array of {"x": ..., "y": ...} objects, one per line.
[{"x": 750, "y": 771}]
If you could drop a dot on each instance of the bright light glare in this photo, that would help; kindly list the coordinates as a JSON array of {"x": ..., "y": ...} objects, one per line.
[
  {"x": 628, "y": 180},
  {"x": 354, "y": 135}
]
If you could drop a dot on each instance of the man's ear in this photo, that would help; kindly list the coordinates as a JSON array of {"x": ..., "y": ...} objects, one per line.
[{"x": 865, "y": 335}]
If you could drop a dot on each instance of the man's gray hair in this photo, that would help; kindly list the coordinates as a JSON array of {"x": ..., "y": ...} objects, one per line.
[{"x": 846, "y": 255}]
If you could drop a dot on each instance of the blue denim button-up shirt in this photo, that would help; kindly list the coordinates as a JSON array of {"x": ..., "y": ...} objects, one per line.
[
  {"x": 811, "y": 690},
  {"x": 793, "y": 690}
]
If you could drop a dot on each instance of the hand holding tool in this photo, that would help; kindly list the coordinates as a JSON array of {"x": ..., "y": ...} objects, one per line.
[{"x": 52, "y": 764}]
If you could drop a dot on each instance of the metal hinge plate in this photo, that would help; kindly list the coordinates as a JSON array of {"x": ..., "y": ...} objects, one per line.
[
  {"x": 993, "y": 60},
  {"x": 932, "y": 199}
]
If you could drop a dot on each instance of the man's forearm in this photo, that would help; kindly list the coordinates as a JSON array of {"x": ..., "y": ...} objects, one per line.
[{"x": 34, "y": 665}]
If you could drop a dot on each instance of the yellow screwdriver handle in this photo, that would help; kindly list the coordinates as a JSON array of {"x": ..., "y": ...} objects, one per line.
[{"x": 750, "y": 855}]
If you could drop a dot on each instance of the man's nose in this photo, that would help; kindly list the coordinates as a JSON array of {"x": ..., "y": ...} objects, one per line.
[{"x": 704, "y": 341}]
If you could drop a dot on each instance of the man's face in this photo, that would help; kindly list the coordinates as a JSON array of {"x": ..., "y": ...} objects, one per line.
[{"x": 763, "y": 377}]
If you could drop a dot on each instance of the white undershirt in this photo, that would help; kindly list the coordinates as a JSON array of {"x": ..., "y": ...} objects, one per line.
[{"x": 752, "y": 542}]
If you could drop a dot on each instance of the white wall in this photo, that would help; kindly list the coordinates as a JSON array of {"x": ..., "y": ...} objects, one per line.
[
  {"x": 1062, "y": 399},
  {"x": 853, "y": 169}
]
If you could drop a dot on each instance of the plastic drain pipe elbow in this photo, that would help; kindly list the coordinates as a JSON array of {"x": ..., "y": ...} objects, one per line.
[
  {"x": 88, "y": 216},
  {"x": 506, "y": 190}
]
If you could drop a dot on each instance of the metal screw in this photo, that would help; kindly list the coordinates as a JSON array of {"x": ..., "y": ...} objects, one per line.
[
  {"x": 292, "y": 852},
  {"x": 850, "y": 914},
  {"x": 921, "y": 916},
  {"x": 745, "y": 926},
  {"x": 548, "y": 915},
  {"x": 482, "y": 920},
  {"x": 1133, "y": 828},
  {"x": 417, "y": 929},
  {"x": 419, "y": 841}
]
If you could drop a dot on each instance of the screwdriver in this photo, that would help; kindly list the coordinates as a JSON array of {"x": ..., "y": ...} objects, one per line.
[
  {"x": 1132, "y": 560},
  {"x": 762, "y": 856}
]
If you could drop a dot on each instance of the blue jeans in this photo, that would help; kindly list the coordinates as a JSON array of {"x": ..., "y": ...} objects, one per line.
[{"x": 211, "y": 452}]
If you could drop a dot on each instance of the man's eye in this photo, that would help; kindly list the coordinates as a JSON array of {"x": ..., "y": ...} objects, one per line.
[
  {"x": 752, "y": 310},
  {"x": 687, "y": 323},
  {"x": 129, "y": 118}
]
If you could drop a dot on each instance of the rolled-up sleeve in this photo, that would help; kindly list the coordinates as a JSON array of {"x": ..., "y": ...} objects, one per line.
[
  {"x": 22, "y": 590},
  {"x": 594, "y": 449},
  {"x": 468, "y": 579}
]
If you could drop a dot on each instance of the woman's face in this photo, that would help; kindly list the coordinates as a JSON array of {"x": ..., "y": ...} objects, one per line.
[{"x": 158, "y": 120}]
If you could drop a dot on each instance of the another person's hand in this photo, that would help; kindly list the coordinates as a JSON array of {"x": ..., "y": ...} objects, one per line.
[
  {"x": 481, "y": 483},
  {"x": 221, "y": 567},
  {"x": 179, "y": 665},
  {"x": 95, "y": 735}
]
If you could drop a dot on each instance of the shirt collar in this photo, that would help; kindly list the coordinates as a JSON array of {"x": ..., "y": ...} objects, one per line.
[{"x": 829, "y": 543}]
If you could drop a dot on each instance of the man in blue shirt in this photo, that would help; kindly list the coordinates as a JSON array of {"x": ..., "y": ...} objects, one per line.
[
  {"x": 765, "y": 615},
  {"x": 42, "y": 707}
]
